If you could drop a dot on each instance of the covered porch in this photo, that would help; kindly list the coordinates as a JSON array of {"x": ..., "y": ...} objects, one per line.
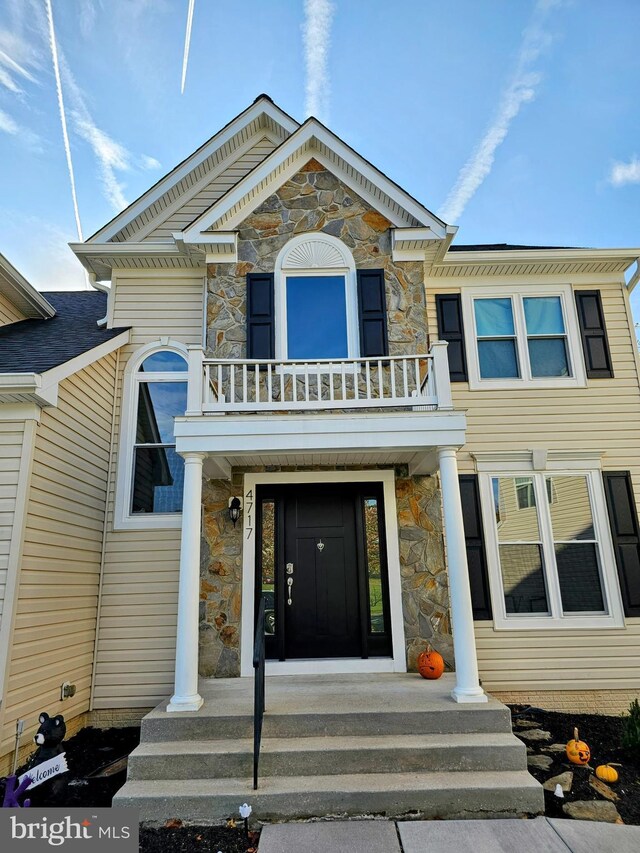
[{"x": 318, "y": 424}]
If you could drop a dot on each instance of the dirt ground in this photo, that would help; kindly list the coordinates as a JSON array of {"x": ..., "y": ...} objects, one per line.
[{"x": 604, "y": 737}]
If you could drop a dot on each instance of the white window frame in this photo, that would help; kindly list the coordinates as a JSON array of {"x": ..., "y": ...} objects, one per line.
[
  {"x": 517, "y": 293},
  {"x": 614, "y": 617},
  {"x": 124, "y": 519},
  {"x": 316, "y": 254}
]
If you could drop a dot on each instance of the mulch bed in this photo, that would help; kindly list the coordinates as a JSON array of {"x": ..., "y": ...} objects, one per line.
[
  {"x": 92, "y": 749},
  {"x": 604, "y": 736}
]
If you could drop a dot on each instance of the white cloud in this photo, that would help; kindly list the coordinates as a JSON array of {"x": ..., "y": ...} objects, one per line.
[
  {"x": 7, "y": 124},
  {"x": 625, "y": 173},
  {"x": 316, "y": 37},
  {"x": 150, "y": 163},
  {"x": 521, "y": 90}
]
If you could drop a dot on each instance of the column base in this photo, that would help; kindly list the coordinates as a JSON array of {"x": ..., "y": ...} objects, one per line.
[
  {"x": 469, "y": 694},
  {"x": 185, "y": 703}
]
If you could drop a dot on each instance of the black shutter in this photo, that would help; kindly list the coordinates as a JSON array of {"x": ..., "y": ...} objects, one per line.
[
  {"x": 451, "y": 329},
  {"x": 474, "y": 540},
  {"x": 594, "y": 334},
  {"x": 260, "y": 316},
  {"x": 626, "y": 536},
  {"x": 372, "y": 313}
]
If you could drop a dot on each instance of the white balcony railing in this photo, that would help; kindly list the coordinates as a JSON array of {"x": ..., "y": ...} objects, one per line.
[{"x": 220, "y": 386}]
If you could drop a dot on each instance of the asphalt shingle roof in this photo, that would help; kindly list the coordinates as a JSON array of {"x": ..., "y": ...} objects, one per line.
[{"x": 34, "y": 346}]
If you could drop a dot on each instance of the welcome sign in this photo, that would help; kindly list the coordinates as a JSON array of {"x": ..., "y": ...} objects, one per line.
[{"x": 47, "y": 770}]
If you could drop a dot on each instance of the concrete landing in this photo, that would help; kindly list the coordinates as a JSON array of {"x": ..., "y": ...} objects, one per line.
[{"x": 541, "y": 835}]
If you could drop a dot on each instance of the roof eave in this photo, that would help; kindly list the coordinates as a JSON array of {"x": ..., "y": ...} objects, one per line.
[{"x": 24, "y": 293}]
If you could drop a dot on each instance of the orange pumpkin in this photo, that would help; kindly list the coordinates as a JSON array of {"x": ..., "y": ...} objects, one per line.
[
  {"x": 430, "y": 664},
  {"x": 578, "y": 751}
]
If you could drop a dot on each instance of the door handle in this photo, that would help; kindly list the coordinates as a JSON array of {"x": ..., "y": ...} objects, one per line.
[{"x": 289, "y": 585}]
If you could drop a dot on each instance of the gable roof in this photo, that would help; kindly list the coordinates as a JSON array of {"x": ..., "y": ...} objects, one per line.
[
  {"x": 261, "y": 117},
  {"x": 35, "y": 346},
  {"x": 313, "y": 140},
  {"x": 20, "y": 293}
]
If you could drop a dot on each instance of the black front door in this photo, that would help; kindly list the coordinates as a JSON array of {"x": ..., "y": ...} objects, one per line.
[
  {"x": 322, "y": 609},
  {"x": 321, "y": 566}
]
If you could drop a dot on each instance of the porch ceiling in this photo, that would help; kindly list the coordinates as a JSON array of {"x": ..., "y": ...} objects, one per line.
[{"x": 363, "y": 438}]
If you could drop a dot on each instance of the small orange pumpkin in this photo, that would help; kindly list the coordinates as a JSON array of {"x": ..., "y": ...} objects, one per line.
[
  {"x": 607, "y": 773},
  {"x": 578, "y": 751},
  {"x": 430, "y": 664}
]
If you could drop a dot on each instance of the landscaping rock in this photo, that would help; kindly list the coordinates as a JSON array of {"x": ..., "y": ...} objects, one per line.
[
  {"x": 603, "y": 789},
  {"x": 535, "y": 734},
  {"x": 540, "y": 762},
  {"x": 592, "y": 810},
  {"x": 554, "y": 747},
  {"x": 527, "y": 724},
  {"x": 565, "y": 780}
]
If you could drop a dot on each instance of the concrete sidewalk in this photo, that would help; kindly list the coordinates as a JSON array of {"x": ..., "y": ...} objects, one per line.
[{"x": 541, "y": 835}]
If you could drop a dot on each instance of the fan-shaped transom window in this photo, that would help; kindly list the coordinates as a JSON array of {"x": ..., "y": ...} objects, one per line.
[{"x": 316, "y": 301}]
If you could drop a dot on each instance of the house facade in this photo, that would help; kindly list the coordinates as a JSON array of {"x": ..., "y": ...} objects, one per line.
[{"x": 299, "y": 389}]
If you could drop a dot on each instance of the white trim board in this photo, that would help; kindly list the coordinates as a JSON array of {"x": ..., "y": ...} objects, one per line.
[
  {"x": 262, "y": 106},
  {"x": 310, "y": 137},
  {"x": 396, "y": 663}
]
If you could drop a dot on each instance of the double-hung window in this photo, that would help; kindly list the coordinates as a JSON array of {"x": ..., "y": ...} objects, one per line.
[
  {"x": 550, "y": 555},
  {"x": 523, "y": 339}
]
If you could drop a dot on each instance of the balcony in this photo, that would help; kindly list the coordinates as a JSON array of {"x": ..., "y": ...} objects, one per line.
[
  {"x": 352, "y": 412},
  {"x": 237, "y": 386}
]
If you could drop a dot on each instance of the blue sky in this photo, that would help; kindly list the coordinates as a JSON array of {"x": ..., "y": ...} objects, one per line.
[{"x": 538, "y": 99}]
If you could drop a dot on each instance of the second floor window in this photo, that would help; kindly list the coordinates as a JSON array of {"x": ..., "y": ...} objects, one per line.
[
  {"x": 316, "y": 310},
  {"x": 521, "y": 337}
]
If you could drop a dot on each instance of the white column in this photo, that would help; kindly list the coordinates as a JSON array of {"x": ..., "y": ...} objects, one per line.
[
  {"x": 467, "y": 687},
  {"x": 186, "y": 696}
]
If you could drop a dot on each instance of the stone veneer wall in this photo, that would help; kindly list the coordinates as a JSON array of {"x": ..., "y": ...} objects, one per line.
[
  {"x": 425, "y": 599},
  {"x": 315, "y": 200}
]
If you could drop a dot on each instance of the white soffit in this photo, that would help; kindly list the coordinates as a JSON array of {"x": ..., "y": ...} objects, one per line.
[{"x": 539, "y": 261}]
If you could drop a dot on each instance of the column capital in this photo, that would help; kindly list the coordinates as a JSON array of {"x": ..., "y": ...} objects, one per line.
[
  {"x": 448, "y": 451},
  {"x": 193, "y": 455}
]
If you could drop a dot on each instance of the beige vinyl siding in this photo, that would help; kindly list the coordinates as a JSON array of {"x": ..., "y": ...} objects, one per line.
[
  {"x": 215, "y": 189},
  {"x": 138, "y": 611},
  {"x": 11, "y": 440},
  {"x": 604, "y": 417},
  {"x": 159, "y": 305},
  {"x": 53, "y": 634},
  {"x": 8, "y": 312}
]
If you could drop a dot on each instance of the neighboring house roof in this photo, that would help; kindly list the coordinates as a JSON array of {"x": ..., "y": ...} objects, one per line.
[
  {"x": 20, "y": 293},
  {"x": 35, "y": 346}
]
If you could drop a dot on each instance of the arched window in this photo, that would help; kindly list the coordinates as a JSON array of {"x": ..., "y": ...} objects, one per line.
[
  {"x": 151, "y": 472},
  {"x": 316, "y": 299}
]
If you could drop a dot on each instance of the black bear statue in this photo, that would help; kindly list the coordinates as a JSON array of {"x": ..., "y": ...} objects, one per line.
[{"x": 49, "y": 738}]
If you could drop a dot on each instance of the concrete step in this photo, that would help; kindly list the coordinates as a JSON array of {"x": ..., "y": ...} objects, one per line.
[
  {"x": 477, "y": 719},
  {"x": 424, "y": 795},
  {"x": 326, "y": 756}
]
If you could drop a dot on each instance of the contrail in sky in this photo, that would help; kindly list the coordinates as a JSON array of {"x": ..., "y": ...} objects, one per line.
[
  {"x": 520, "y": 90},
  {"x": 187, "y": 43},
  {"x": 63, "y": 118},
  {"x": 316, "y": 36}
]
